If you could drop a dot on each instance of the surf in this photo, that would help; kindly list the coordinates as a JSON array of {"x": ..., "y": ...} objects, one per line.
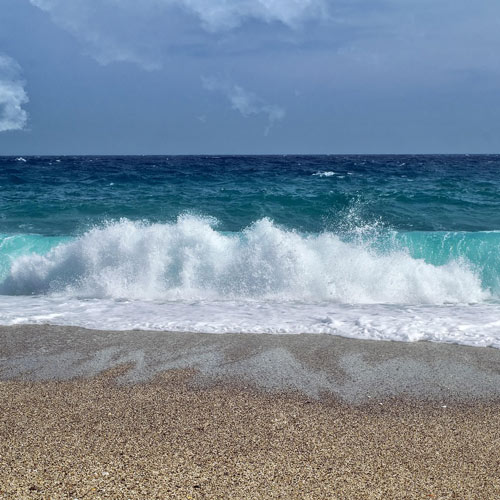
[{"x": 190, "y": 259}]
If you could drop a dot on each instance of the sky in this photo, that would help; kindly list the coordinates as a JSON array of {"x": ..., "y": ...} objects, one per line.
[{"x": 249, "y": 76}]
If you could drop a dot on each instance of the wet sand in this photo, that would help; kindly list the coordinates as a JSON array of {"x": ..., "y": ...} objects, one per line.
[{"x": 88, "y": 414}]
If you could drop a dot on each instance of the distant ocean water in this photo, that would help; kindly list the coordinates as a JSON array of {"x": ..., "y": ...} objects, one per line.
[{"x": 378, "y": 247}]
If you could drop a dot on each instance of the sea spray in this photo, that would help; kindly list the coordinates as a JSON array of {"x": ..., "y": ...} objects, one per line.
[{"x": 191, "y": 260}]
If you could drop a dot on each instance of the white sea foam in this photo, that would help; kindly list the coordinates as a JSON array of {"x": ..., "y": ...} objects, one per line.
[
  {"x": 475, "y": 325},
  {"x": 190, "y": 260}
]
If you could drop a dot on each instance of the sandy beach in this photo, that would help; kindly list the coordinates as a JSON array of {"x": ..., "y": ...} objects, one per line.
[{"x": 95, "y": 414}]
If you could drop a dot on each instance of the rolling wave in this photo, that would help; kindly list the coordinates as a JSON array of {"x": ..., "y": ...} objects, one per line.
[{"x": 191, "y": 260}]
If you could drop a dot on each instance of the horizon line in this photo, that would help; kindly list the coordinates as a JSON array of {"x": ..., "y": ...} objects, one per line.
[{"x": 235, "y": 154}]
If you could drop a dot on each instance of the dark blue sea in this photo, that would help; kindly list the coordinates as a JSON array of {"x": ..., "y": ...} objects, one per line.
[{"x": 380, "y": 247}]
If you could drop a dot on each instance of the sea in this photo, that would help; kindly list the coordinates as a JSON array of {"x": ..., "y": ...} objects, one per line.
[{"x": 400, "y": 248}]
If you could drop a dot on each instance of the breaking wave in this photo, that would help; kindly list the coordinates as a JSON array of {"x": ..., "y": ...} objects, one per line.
[{"x": 190, "y": 260}]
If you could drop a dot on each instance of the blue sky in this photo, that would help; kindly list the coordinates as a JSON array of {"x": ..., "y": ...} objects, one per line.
[{"x": 249, "y": 76}]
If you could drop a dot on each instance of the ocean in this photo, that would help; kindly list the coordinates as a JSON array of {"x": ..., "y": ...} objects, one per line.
[{"x": 375, "y": 247}]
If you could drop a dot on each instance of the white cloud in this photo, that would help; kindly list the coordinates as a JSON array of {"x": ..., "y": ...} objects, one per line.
[
  {"x": 12, "y": 96},
  {"x": 245, "y": 102}
]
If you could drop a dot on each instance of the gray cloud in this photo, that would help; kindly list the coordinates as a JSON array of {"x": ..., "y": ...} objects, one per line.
[
  {"x": 449, "y": 34},
  {"x": 218, "y": 15},
  {"x": 12, "y": 96},
  {"x": 142, "y": 32},
  {"x": 245, "y": 102},
  {"x": 106, "y": 28}
]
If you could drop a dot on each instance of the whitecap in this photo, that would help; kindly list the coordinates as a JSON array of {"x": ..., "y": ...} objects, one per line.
[{"x": 325, "y": 174}]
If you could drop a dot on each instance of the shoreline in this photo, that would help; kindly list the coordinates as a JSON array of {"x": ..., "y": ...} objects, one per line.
[
  {"x": 96, "y": 414},
  {"x": 351, "y": 370}
]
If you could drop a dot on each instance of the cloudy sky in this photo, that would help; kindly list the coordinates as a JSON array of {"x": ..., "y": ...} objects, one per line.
[{"x": 249, "y": 76}]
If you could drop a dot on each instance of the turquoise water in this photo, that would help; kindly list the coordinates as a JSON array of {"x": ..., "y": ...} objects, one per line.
[{"x": 229, "y": 235}]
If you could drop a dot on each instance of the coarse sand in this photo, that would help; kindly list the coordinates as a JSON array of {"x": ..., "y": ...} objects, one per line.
[{"x": 171, "y": 438}]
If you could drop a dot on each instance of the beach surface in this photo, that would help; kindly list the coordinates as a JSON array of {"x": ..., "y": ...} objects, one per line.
[{"x": 138, "y": 414}]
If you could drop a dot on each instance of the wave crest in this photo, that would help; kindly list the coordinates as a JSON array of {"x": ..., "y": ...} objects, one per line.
[{"x": 190, "y": 259}]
